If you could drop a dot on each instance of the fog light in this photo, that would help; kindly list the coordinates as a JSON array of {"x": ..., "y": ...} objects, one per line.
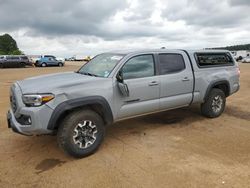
[{"x": 24, "y": 120}]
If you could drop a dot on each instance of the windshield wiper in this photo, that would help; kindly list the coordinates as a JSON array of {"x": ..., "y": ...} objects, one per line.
[{"x": 87, "y": 73}]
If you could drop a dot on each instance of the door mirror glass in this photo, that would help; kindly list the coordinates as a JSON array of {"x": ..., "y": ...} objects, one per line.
[{"x": 123, "y": 87}]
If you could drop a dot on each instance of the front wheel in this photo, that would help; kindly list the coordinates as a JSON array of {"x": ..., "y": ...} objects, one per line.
[
  {"x": 215, "y": 104},
  {"x": 44, "y": 65},
  {"x": 81, "y": 133}
]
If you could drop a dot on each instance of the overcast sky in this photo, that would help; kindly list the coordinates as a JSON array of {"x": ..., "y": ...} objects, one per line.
[{"x": 88, "y": 27}]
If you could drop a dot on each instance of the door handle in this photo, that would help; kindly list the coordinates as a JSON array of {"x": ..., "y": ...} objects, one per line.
[
  {"x": 185, "y": 79},
  {"x": 153, "y": 83}
]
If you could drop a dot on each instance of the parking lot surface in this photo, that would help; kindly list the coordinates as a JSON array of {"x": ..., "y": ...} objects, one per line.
[{"x": 177, "y": 148}]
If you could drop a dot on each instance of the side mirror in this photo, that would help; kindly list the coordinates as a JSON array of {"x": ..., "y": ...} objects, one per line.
[
  {"x": 123, "y": 87},
  {"x": 119, "y": 77}
]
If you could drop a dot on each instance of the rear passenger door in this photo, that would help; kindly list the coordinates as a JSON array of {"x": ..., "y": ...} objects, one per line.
[
  {"x": 176, "y": 80},
  {"x": 13, "y": 61}
]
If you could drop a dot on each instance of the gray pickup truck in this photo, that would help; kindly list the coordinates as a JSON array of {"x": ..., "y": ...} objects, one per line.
[{"x": 114, "y": 86}]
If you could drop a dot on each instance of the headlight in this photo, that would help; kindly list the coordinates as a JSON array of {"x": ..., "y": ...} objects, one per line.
[{"x": 37, "y": 99}]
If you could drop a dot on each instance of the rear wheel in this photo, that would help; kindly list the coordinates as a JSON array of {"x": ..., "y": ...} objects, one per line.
[
  {"x": 215, "y": 104},
  {"x": 81, "y": 133},
  {"x": 44, "y": 65},
  {"x": 1, "y": 65}
]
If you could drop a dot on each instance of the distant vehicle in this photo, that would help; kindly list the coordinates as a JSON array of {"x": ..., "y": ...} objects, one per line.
[
  {"x": 34, "y": 58},
  {"x": 246, "y": 59},
  {"x": 241, "y": 54},
  {"x": 48, "y": 60},
  {"x": 71, "y": 59},
  {"x": 60, "y": 59},
  {"x": 79, "y": 58},
  {"x": 14, "y": 61},
  {"x": 88, "y": 58}
]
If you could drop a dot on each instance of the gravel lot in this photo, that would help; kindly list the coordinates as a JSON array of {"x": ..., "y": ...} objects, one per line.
[{"x": 178, "y": 148}]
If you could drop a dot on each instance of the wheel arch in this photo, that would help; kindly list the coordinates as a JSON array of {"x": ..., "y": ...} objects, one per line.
[
  {"x": 96, "y": 103},
  {"x": 223, "y": 85}
]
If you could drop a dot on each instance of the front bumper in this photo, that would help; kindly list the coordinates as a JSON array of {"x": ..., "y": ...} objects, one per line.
[
  {"x": 14, "y": 125},
  {"x": 17, "y": 116},
  {"x": 236, "y": 87},
  {"x": 39, "y": 122}
]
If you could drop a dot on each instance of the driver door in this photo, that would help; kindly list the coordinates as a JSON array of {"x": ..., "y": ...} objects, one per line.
[{"x": 143, "y": 86}]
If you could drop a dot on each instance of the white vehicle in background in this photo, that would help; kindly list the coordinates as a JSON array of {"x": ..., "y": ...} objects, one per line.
[
  {"x": 79, "y": 57},
  {"x": 34, "y": 58},
  {"x": 246, "y": 59},
  {"x": 241, "y": 54},
  {"x": 60, "y": 59},
  {"x": 75, "y": 58},
  {"x": 70, "y": 59}
]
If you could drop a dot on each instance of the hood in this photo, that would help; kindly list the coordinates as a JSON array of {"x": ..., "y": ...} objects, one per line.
[{"x": 48, "y": 83}]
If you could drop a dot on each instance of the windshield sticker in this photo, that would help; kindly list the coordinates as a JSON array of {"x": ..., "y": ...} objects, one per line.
[{"x": 106, "y": 73}]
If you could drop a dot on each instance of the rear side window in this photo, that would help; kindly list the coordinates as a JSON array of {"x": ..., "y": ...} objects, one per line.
[
  {"x": 171, "y": 63},
  {"x": 213, "y": 59},
  {"x": 13, "y": 57}
]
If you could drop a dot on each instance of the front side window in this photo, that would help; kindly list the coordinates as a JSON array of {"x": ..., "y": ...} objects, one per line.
[
  {"x": 139, "y": 67},
  {"x": 101, "y": 65},
  {"x": 213, "y": 59},
  {"x": 171, "y": 63}
]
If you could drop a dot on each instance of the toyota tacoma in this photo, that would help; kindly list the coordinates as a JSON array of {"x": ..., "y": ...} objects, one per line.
[{"x": 77, "y": 106}]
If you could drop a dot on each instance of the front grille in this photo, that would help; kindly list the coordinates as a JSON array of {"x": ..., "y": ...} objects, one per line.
[{"x": 13, "y": 101}]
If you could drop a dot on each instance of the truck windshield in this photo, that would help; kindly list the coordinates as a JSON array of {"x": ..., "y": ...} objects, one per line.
[{"x": 101, "y": 65}]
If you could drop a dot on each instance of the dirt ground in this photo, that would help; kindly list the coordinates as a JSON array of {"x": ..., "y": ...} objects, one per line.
[{"x": 178, "y": 148}]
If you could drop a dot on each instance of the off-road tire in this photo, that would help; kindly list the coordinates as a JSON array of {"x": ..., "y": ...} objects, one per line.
[
  {"x": 66, "y": 133},
  {"x": 207, "y": 108}
]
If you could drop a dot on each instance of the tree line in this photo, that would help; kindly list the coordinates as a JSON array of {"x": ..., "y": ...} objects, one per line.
[
  {"x": 235, "y": 47},
  {"x": 8, "y": 45}
]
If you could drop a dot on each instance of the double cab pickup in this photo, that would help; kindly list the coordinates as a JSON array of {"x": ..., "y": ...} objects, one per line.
[{"x": 113, "y": 86}]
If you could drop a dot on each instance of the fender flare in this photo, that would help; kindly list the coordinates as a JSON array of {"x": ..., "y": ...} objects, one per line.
[
  {"x": 215, "y": 83},
  {"x": 72, "y": 104}
]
